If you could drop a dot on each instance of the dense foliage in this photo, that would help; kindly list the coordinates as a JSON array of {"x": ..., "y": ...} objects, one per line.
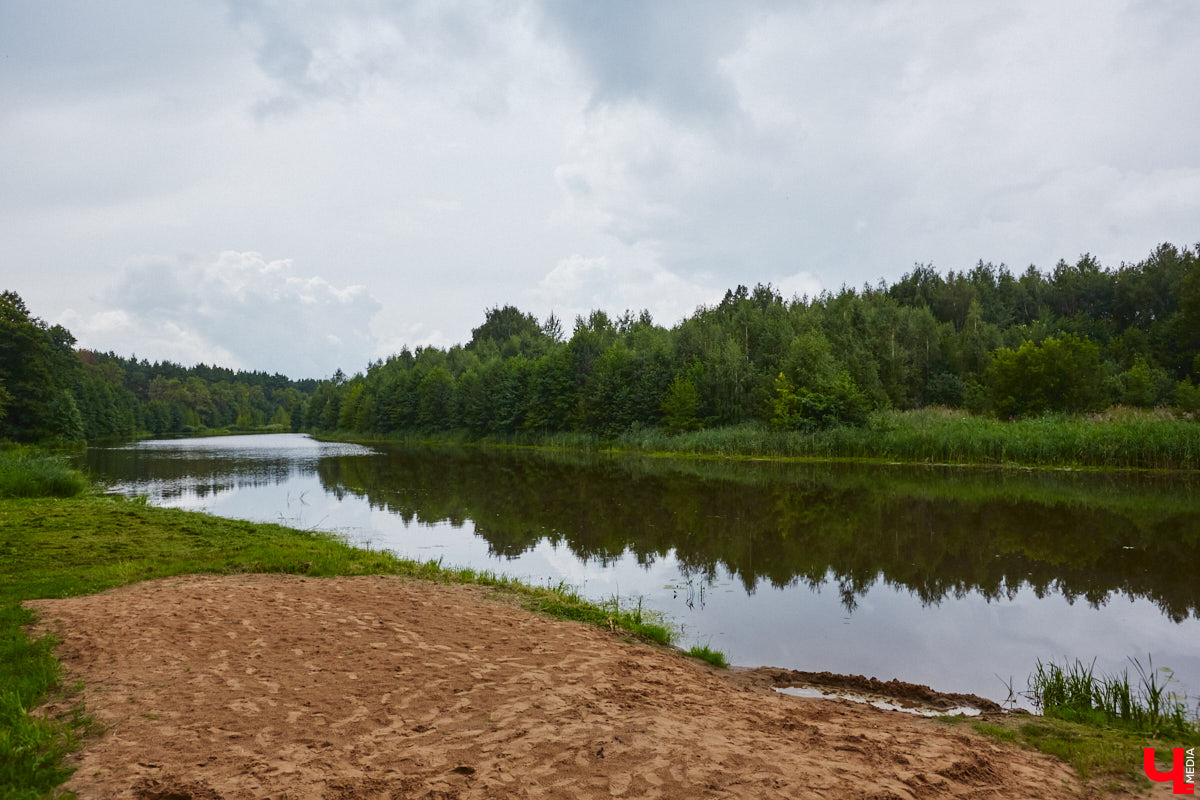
[
  {"x": 51, "y": 391},
  {"x": 1075, "y": 340}
]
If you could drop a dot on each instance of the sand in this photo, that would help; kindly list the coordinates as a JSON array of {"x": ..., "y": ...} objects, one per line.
[{"x": 262, "y": 686}]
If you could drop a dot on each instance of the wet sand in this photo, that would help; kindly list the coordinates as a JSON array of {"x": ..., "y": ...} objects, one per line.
[{"x": 260, "y": 686}]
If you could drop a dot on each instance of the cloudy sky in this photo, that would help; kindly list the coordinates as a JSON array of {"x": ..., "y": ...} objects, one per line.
[{"x": 298, "y": 186}]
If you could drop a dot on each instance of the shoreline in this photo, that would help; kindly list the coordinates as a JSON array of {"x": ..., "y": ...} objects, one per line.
[
  {"x": 73, "y": 555},
  {"x": 1104, "y": 442},
  {"x": 241, "y": 685}
]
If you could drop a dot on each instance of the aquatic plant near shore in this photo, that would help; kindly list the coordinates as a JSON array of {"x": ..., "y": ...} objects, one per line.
[
  {"x": 30, "y": 472},
  {"x": 706, "y": 653},
  {"x": 1074, "y": 692},
  {"x": 1122, "y": 438},
  {"x": 1099, "y": 724}
]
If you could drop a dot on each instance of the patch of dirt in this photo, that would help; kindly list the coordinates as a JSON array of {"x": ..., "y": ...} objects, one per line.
[{"x": 272, "y": 686}]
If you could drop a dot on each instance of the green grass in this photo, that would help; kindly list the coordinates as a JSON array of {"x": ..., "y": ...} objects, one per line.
[
  {"x": 51, "y": 547},
  {"x": 1099, "y": 724},
  {"x": 1122, "y": 438},
  {"x": 1075, "y": 693},
  {"x": 706, "y": 653},
  {"x": 1108, "y": 759},
  {"x": 29, "y": 472},
  {"x": 32, "y": 748}
]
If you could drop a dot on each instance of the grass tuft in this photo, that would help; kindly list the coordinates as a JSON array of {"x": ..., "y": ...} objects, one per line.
[
  {"x": 713, "y": 657},
  {"x": 1099, "y": 724},
  {"x": 32, "y": 748}
]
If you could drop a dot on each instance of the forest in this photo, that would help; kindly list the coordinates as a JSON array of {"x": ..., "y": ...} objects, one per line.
[
  {"x": 1075, "y": 340},
  {"x": 51, "y": 391}
]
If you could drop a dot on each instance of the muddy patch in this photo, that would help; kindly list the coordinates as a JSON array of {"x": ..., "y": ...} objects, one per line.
[{"x": 905, "y": 695}]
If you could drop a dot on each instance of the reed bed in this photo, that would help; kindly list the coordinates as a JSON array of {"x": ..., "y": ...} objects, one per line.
[
  {"x": 1127, "y": 440},
  {"x": 1144, "y": 704},
  {"x": 27, "y": 472}
]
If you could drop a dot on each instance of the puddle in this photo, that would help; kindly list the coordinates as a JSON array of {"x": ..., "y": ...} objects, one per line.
[{"x": 808, "y": 691}]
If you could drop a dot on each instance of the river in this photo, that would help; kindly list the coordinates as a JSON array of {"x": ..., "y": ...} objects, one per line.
[{"x": 960, "y": 578}]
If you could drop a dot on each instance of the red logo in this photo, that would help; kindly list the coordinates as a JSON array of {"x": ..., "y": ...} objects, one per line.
[{"x": 1183, "y": 769}]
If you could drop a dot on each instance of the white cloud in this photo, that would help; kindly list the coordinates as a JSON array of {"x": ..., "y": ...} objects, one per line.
[
  {"x": 235, "y": 309},
  {"x": 454, "y": 155},
  {"x": 579, "y": 284}
]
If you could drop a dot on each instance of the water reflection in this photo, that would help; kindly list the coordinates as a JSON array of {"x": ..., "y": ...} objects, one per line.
[
  {"x": 936, "y": 575},
  {"x": 937, "y": 532},
  {"x": 167, "y": 469}
]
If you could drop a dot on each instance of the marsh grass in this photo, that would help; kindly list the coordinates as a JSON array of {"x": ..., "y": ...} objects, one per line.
[
  {"x": 1144, "y": 704},
  {"x": 1099, "y": 724},
  {"x": 1121, "y": 438},
  {"x": 28, "y": 472},
  {"x": 85, "y": 544}
]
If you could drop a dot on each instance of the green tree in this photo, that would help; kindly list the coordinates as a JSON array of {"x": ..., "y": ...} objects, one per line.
[
  {"x": 1187, "y": 397},
  {"x": 63, "y": 420},
  {"x": 435, "y": 399},
  {"x": 681, "y": 404},
  {"x": 1144, "y": 385},
  {"x": 1058, "y": 374},
  {"x": 37, "y": 365},
  {"x": 801, "y": 408}
]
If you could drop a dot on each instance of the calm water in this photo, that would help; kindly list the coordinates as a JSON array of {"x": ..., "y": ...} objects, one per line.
[{"x": 957, "y": 578}]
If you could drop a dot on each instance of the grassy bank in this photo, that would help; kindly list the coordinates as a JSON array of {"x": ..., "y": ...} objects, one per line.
[
  {"x": 1108, "y": 759},
  {"x": 60, "y": 547},
  {"x": 1120, "y": 438},
  {"x": 84, "y": 543},
  {"x": 1100, "y": 724}
]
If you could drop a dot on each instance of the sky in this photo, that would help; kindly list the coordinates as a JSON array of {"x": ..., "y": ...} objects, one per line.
[{"x": 300, "y": 186}]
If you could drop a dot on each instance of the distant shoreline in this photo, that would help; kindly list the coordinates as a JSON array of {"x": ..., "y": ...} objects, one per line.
[{"x": 1118, "y": 440}]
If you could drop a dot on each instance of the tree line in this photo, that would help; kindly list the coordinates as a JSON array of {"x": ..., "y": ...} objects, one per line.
[
  {"x": 1074, "y": 340},
  {"x": 49, "y": 390}
]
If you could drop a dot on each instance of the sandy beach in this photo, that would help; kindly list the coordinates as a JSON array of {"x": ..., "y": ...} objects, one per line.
[{"x": 260, "y": 686}]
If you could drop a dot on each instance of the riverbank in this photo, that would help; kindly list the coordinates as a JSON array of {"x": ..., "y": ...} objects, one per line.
[
  {"x": 80, "y": 545},
  {"x": 136, "y": 557},
  {"x": 255, "y": 686},
  {"x": 83, "y": 545},
  {"x": 1118, "y": 439}
]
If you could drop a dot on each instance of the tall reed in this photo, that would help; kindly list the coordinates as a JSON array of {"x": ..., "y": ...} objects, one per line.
[
  {"x": 1122, "y": 439},
  {"x": 29, "y": 472},
  {"x": 1075, "y": 692}
]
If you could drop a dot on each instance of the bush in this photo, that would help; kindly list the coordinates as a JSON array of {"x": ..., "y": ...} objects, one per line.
[
  {"x": 1187, "y": 397},
  {"x": 1062, "y": 375}
]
